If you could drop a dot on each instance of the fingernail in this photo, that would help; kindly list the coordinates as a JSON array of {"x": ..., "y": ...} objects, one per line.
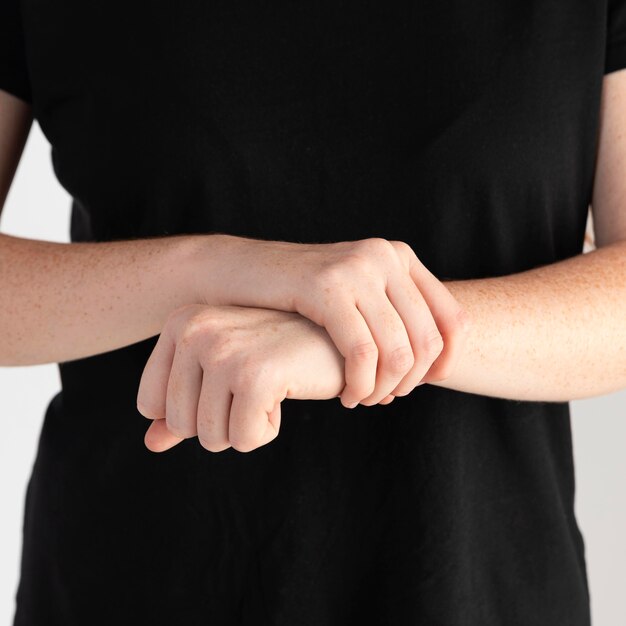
[{"x": 351, "y": 406}]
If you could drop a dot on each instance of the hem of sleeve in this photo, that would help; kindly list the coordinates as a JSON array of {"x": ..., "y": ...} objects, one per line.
[
  {"x": 615, "y": 58},
  {"x": 19, "y": 91}
]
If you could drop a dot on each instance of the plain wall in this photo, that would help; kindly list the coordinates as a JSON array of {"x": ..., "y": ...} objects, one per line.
[{"x": 38, "y": 207}]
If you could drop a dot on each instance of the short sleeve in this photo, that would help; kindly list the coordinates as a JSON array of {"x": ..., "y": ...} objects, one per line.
[
  {"x": 615, "y": 57},
  {"x": 14, "y": 76}
]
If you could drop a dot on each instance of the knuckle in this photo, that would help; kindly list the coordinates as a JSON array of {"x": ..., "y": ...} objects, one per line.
[
  {"x": 269, "y": 377},
  {"x": 243, "y": 380},
  {"x": 182, "y": 431},
  {"x": 245, "y": 376},
  {"x": 191, "y": 330},
  {"x": 253, "y": 374},
  {"x": 376, "y": 245},
  {"x": 370, "y": 256},
  {"x": 405, "y": 254},
  {"x": 433, "y": 342},
  {"x": 402, "y": 248},
  {"x": 364, "y": 352},
  {"x": 221, "y": 350},
  {"x": 400, "y": 360},
  {"x": 457, "y": 326}
]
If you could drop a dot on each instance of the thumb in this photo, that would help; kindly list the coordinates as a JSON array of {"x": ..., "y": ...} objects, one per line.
[{"x": 158, "y": 438}]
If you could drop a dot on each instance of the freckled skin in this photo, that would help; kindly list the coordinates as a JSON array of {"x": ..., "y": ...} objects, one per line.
[
  {"x": 551, "y": 333},
  {"x": 227, "y": 354}
]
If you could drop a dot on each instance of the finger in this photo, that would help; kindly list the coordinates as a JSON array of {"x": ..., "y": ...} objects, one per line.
[
  {"x": 395, "y": 352},
  {"x": 156, "y": 372},
  {"x": 353, "y": 338},
  {"x": 424, "y": 335},
  {"x": 274, "y": 419},
  {"x": 250, "y": 426},
  {"x": 450, "y": 317},
  {"x": 273, "y": 426},
  {"x": 214, "y": 408},
  {"x": 183, "y": 391},
  {"x": 388, "y": 399},
  {"x": 158, "y": 438}
]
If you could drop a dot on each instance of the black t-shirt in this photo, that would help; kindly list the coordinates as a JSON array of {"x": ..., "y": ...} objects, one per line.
[{"x": 467, "y": 130}]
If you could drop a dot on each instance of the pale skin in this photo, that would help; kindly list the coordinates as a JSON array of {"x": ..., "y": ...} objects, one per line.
[{"x": 552, "y": 333}]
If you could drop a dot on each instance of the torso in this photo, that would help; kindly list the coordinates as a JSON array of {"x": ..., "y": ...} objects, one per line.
[{"x": 467, "y": 131}]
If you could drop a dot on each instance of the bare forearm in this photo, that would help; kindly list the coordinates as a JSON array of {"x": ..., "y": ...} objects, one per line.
[
  {"x": 60, "y": 301},
  {"x": 552, "y": 333}
]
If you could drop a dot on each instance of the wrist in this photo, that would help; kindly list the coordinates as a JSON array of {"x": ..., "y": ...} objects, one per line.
[
  {"x": 241, "y": 271},
  {"x": 212, "y": 263}
]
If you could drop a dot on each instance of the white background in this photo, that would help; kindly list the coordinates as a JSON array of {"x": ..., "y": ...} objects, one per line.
[{"x": 38, "y": 207}]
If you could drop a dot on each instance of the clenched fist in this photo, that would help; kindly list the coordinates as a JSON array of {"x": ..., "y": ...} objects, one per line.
[
  {"x": 221, "y": 372},
  {"x": 391, "y": 319}
]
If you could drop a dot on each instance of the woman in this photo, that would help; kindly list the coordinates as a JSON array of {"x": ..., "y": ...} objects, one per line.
[{"x": 275, "y": 205}]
